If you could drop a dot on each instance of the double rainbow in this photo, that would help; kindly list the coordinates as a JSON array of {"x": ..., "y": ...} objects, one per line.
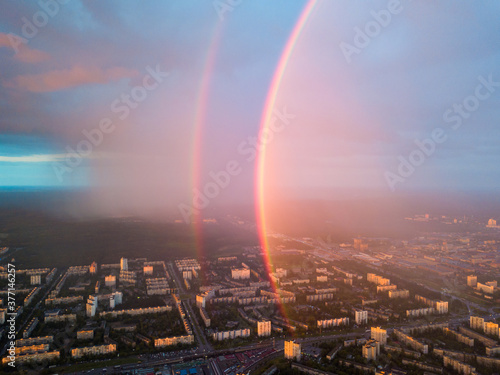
[
  {"x": 264, "y": 127},
  {"x": 200, "y": 118}
]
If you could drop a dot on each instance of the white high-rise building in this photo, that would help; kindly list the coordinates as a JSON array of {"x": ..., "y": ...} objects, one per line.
[
  {"x": 91, "y": 306},
  {"x": 472, "y": 281},
  {"x": 110, "y": 280},
  {"x": 123, "y": 264},
  {"x": 293, "y": 350},
  {"x": 118, "y": 298},
  {"x": 264, "y": 328},
  {"x": 240, "y": 273},
  {"x": 281, "y": 272},
  {"x": 491, "y": 328},
  {"x": 36, "y": 279},
  {"x": 361, "y": 317},
  {"x": 371, "y": 350},
  {"x": 441, "y": 307},
  {"x": 379, "y": 334},
  {"x": 476, "y": 322}
]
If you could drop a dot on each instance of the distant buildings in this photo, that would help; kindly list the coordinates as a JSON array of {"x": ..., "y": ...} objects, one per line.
[
  {"x": 91, "y": 306},
  {"x": 240, "y": 273},
  {"x": 93, "y": 268},
  {"x": 224, "y": 335},
  {"x": 379, "y": 335},
  {"x": 140, "y": 311},
  {"x": 155, "y": 286},
  {"x": 128, "y": 277},
  {"x": 31, "y": 296},
  {"x": 440, "y": 307},
  {"x": 35, "y": 357},
  {"x": 68, "y": 318},
  {"x": 123, "y": 264},
  {"x": 169, "y": 341},
  {"x": 281, "y": 272},
  {"x": 459, "y": 337},
  {"x": 115, "y": 299},
  {"x": 85, "y": 334},
  {"x": 459, "y": 366},
  {"x": 264, "y": 328},
  {"x": 205, "y": 317},
  {"x": 492, "y": 223},
  {"x": 379, "y": 280},
  {"x": 187, "y": 264},
  {"x": 361, "y": 317},
  {"x": 371, "y": 350},
  {"x": 399, "y": 293},
  {"x": 293, "y": 350},
  {"x": 476, "y": 322},
  {"x": 411, "y": 342},
  {"x": 472, "y": 281},
  {"x": 93, "y": 350},
  {"x": 486, "y": 341},
  {"x": 30, "y": 328},
  {"x": 320, "y": 297},
  {"x": 488, "y": 288},
  {"x": 420, "y": 312},
  {"x": 489, "y": 328},
  {"x": 386, "y": 288},
  {"x": 327, "y": 323},
  {"x": 110, "y": 281},
  {"x": 201, "y": 299},
  {"x": 36, "y": 279},
  {"x": 148, "y": 270},
  {"x": 359, "y": 244},
  {"x": 252, "y": 298}
]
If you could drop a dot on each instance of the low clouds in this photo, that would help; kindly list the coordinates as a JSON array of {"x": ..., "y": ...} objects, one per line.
[
  {"x": 56, "y": 80},
  {"x": 21, "y": 51}
]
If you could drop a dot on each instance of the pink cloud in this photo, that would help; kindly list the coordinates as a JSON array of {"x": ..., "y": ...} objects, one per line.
[
  {"x": 22, "y": 51},
  {"x": 31, "y": 56},
  {"x": 56, "y": 80}
]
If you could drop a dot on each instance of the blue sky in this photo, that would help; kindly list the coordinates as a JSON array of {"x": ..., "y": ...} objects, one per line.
[{"x": 354, "y": 119}]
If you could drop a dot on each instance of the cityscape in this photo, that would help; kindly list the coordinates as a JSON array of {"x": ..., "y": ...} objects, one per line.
[
  {"x": 427, "y": 304},
  {"x": 249, "y": 187}
]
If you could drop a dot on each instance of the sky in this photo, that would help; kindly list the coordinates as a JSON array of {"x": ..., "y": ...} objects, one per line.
[{"x": 147, "y": 105}]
